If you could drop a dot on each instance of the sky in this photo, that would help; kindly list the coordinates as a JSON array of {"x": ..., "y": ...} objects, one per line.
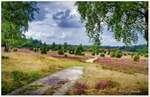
[{"x": 60, "y": 22}]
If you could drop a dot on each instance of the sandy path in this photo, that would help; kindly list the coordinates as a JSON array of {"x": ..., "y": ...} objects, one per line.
[
  {"x": 91, "y": 60},
  {"x": 59, "y": 82}
]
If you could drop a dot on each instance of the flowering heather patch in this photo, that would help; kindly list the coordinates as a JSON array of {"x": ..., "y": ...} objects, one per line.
[
  {"x": 123, "y": 63},
  {"x": 78, "y": 89},
  {"x": 102, "y": 84}
]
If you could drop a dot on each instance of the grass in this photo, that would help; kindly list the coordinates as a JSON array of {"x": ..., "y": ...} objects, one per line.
[
  {"x": 21, "y": 68},
  {"x": 118, "y": 83}
]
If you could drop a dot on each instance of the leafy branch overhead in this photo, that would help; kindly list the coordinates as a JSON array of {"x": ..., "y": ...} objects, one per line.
[
  {"x": 125, "y": 19},
  {"x": 15, "y": 20}
]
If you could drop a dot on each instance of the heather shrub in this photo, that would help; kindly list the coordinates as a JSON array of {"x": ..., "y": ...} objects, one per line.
[
  {"x": 65, "y": 55},
  {"x": 15, "y": 49},
  {"x": 79, "y": 88},
  {"x": 108, "y": 53},
  {"x": 102, "y": 55},
  {"x": 6, "y": 49},
  {"x": 112, "y": 84},
  {"x": 136, "y": 58},
  {"x": 5, "y": 57},
  {"x": 60, "y": 52},
  {"x": 132, "y": 55},
  {"x": 101, "y": 84},
  {"x": 79, "y": 50},
  {"x": 116, "y": 53},
  {"x": 106, "y": 84},
  {"x": 112, "y": 54},
  {"x": 146, "y": 55},
  {"x": 93, "y": 54},
  {"x": 71, "y": 51},
  {"x": 125, "y": 54},
  {"x": 43, "y": 50},
  {"x": 35, "y": 49}
]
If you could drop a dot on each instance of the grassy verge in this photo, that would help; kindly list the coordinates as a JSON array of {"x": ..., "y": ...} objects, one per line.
[
  {"x": 20, "y": 68},
  {"x": 100, "y": 81}
]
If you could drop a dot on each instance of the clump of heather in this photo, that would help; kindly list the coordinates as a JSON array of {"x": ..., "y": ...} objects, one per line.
[
  {"x": 102, "y": 84},
  {"x": 79, "y": 88},
  {"x": 136, "y": 58}
]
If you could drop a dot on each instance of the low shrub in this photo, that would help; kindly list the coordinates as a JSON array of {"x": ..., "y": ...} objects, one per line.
[
  {"x": 5, "y": 57},
  {"x": 65, "y": 55},
  {"x": 146, "y": 55},
  {"x": 15, "y": 49},
  {"x": 108, "y": 53},
  {"x": 102, "y": 55},
  {"x": 60, "y": 52},
  {"x": 43, "y": 50},
  {"x": 6, "y": 49},
  {"x": 36, "y": 50},
  {"x": 71, "y": 51},
  {"x": 93, "y": 54},
  {"x": 125, "y": 54},
  {"x": 118, "y": 55},
  {"x": 106, "y": 84},
  {"x": 112, "y": 84},
  {"x": 79, "y": 88},
  {"x": 112, "y": 54},
  {"x": 101, "y": 84},
  {"x": 132, "y": 55},
  {"x": 136, "y": 58}
]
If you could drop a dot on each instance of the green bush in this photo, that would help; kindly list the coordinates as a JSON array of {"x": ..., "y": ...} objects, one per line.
[
  {"x": 43, "y": 50},
  {"x": 35, "y": 49},
  {"x": 6, "y": 49},
  {"x": 132, "y": 55},
  {"x": 71, "y": 51},
  {"x": 102, "y": 55},
  {"x": 15, "y": 49},
  {"x": 5, "y": 57},
  {"x": 93, "y": 53},
  {"x": 112, "y": 54},
  {"x": 65, "y": 55},
  {"x": 125, "y": 54},
  {"x": 60, "y": 52},
  {"x": 146, "y": 55},
  {"x": 136, "y": 58},
  {"x": 108, "y": 53},
  {"x": 78, "y": 50},
  {"x": 116, "y": 53}
]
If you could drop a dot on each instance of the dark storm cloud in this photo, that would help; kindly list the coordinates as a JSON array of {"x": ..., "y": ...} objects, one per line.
[{"x": 64, "y": 19}]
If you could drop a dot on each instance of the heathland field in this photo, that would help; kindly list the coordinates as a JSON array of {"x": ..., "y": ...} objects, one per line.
[{"x": 103, "y": 75}]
